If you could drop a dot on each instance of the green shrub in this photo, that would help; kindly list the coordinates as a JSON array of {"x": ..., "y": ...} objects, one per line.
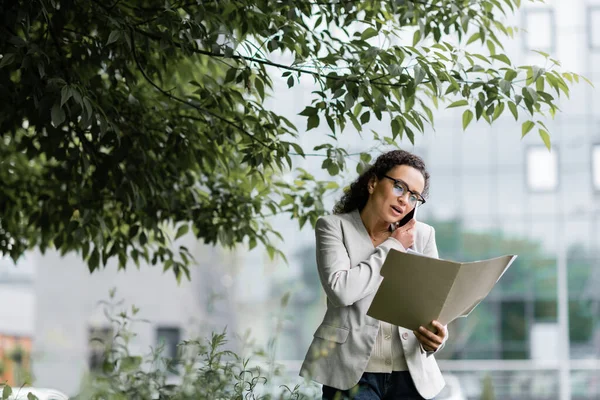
[{"x": 203, "y": 369}]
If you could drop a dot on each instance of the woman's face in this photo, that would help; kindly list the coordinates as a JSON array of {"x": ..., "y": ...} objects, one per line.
[{"x": 392, "y": 208}]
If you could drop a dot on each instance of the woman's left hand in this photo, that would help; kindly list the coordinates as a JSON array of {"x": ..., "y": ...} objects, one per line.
[{"x": 432, "y": 340}]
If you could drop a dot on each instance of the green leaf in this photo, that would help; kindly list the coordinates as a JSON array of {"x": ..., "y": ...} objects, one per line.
[
  {"x": 510, "y": 75},
  {"x": 365, "y": 117},
  {"x": 539, "y": 84},
  {"x": 298, "y": 148},
  {"x": 88, "y": 107},
  {"x": 398, "y": 125},
  {"x": 330, "y": 122},
  {"x": 5, "y": 61},
  {"x": 231, "y": 74},
  {"x": 498, "y": 111},
  {"x": 260, "y": 87},
  {"x": 58, "y": 115},
  {"x": 252, "y": 243},
  {"x": 349, "y": 101},
  {"x": 536, "y": 73},
  {"x": 473, "y": 38},
  {"x": 459, "y": 103},
  {"x": 505, "y": 86},
  {"x": 130, "y": 363},
  {"x": 94, "y": 260},
  {"x": 410, "y": 134},
  {"x": 419, "y": 74},
  {"x": 513, "y": 109},
  {"x": 309, "y": 111},
  {"x": 6, "y": 392},
  {"x": 526, "y": 127},
  {"x": 491, "y": 47},
  {"x": 416, "y": 37},
  {"x": 478, "y": 110},
  {"x": 313, "y": 122},
  {"x": 333, "y": 169},
  {"x": 368, "y": 33},
  {"x": 467, "y": 117},
  {"x": 501, "y": 57},
  {"x": 183, "y": 229},
  {"x": 65, "y": 94},
  {"x": 531, "y": 93},
  {"x": 113, "y": 37},
  {"x": 546, "y": 138}
]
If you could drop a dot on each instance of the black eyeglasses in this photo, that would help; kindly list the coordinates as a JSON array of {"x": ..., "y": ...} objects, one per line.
[{"x": 400, "y": 187}]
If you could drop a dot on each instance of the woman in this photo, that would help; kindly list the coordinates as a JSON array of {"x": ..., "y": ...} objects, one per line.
[{"x": 353, "y": 355}]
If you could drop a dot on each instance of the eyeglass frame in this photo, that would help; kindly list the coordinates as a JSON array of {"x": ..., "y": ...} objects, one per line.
[{"x": 401, "y": 182}]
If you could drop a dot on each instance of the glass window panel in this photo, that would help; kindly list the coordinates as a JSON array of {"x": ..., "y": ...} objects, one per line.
[
  {"x": 543, "y": 234},
  {"x": 583, "y": 275},
  {"x": 98, "y": 339},
  {"x": 517, "y": 280},
  {"x": 544, "y": 273},
  {"x": 514, "y": 330},
  {"x": 511, "y": 192},
  {"x": 596, "y": 166},
  {"x": 594, "y": 28},
  {"x": 545, "y": 311},
  {"x": 168, "y": 338},
  {"x": 476, "y": 337},
  {"x": 543, "y": 205},
  {"x": 477, "y": 196},
  {"x": 542, "y": 166},
  {"x": 544, "y": 341},
  {"x": 443, "y": 150},
  {"x": 477, "y": 149},
  {"x": 539, "y": 29},
  {"x": 581, "y": 321},
  {"x": 443, "y": 201},
  {"x": 448, "y": 237}
]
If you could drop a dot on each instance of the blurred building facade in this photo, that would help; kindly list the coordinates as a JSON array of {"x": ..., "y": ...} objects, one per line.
[{"x": 17, "y": 308}]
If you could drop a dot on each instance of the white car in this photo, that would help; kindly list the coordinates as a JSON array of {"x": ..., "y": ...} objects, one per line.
[{"x": 41, "y": 394}]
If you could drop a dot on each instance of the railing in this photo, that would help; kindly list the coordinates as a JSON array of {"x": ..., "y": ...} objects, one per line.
[{"x": 512, "y": 379}]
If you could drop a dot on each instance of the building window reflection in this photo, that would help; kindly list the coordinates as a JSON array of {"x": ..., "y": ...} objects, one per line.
[
  {"x": 540, "y": 29},
  {"x": 593, "y": 28},
  {"x": 542, "y": 169},
  {"x": 596, "y": 167}
]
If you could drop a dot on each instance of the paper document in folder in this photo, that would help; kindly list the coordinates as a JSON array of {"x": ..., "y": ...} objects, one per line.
[{"x": 417, "y": 289}]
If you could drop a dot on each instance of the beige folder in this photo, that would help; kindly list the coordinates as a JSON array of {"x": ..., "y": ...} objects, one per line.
[{"x": 417, "y": 289}]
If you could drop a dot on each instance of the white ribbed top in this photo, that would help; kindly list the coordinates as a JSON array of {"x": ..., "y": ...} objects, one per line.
[{"x": 388, "y": 354}]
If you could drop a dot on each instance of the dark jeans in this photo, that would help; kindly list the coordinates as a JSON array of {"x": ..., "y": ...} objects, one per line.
[{"x": 377, "y": 386}]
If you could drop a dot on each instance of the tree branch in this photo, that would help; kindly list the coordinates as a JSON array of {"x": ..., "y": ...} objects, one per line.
[
  {"x": 268, "y": 62},
  {"x": 180, "y": 100}
]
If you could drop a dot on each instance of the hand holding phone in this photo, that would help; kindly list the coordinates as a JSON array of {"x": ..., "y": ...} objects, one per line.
[
  {"x": 412, "y": 214},
  {"x": 404, "y": 230}
]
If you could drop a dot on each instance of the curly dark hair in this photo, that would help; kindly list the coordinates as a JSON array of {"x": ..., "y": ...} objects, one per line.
[{"x": 357, "y": 195}]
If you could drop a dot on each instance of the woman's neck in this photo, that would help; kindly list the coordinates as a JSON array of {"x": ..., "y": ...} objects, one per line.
[{"x": 376, "y": 227}]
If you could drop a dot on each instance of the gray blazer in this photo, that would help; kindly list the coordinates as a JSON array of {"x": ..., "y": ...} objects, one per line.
[{"x": 349, "y": 268}]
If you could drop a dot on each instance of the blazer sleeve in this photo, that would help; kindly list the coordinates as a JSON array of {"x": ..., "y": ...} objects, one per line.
[{"x": 344, "y": 283}]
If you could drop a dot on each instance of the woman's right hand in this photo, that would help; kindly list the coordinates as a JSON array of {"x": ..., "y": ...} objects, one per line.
[{"x": 406, "y": 234}]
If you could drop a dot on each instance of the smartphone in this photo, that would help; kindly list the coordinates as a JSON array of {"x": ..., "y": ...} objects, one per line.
[{"x": 412, "y": 214}]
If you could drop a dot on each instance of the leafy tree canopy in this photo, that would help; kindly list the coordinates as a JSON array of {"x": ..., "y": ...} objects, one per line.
[{"x": 127, "y": 123}]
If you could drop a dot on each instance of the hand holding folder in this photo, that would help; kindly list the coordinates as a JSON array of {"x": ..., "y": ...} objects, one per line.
[{"x": 417, "y": 289}]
